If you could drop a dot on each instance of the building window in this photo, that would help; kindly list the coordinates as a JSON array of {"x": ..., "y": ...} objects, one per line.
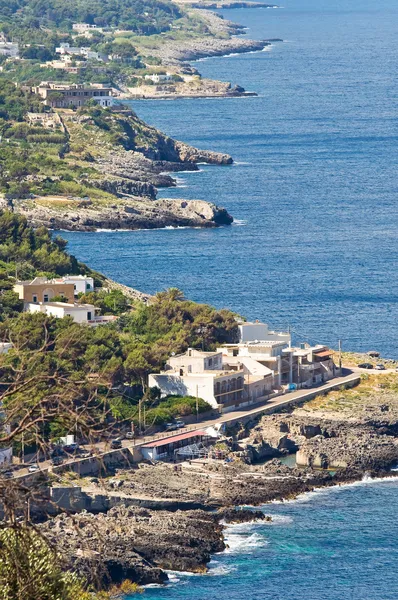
[
  {"x": 45, "y": 298},
  {"x": 34, "y": 299},
  {"x": 89, "y": 316},
  {"x": 88, "y": 286}
]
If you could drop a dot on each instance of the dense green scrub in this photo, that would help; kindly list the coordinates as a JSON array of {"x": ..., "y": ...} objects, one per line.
[{"x": 142, "y": 16}]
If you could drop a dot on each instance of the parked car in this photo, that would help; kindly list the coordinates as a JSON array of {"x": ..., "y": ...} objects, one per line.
[
  {"x": 7, "y": 474},
  {"x": 33, "y": 468},
  {"x": 116, "y": 444},
  {"x": 170, "y": 427},
  {"x": 71, "y": 448},
  {"x": 365, "y": 366},
  {"x": 130, "y": 435},
  {"x": 380, "y": 367},
  {"x": 57, "y": 460},
  {"x": 85, "y": 454},
  {"x": 180, "y": 424}
]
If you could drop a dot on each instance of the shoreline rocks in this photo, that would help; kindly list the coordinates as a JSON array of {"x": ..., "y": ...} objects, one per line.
[{"x": 126, "y": 214}]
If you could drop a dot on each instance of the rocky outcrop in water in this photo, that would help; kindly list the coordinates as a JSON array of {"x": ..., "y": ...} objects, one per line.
[{"x": 137, "y": 544}]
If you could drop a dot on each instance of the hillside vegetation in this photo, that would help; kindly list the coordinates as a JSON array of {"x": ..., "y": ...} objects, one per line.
[{"x": 142, "y": 16}]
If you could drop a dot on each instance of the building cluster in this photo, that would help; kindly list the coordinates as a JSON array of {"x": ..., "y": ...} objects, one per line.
[
  {"x": 42, "y": 295},
  {"x": 262, "y": 364}
]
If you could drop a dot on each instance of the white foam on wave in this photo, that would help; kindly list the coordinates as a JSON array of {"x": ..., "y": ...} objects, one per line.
[
  {"x": 240, "y": 543},
  {"x": 216, "y": 568},
  {"x": 175, "y": 576},
  {"x": 112, "y": 230},
  {"x": 239, "y": 222},
  {"x": 308, "y": 496},
  {"x": 280, "y": 519}
]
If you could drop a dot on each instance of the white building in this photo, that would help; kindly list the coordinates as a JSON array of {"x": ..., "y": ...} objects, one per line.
[
  {"x": 9, "y": 49},
  {"x": 82, "y": 283},
  {"x": 159, "y": 77},
  {"x": 66, "y": 50},
  {"x": 80, "y": 313},
  {"x": 201, "y": 374},
  {"x": 82, "y": 27},
  {"x": 257, "y": 331},
  {"x": 309, "y": 365}
]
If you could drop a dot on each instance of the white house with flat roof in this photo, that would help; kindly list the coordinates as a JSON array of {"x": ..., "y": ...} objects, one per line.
[
  {"x": 82, "y": 283},
  {"x": 80, "y": 313},
  {"x": 257, "y": 331},
  {"x": 201, "y": 374}
]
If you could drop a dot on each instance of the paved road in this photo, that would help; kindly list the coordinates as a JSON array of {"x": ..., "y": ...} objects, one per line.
[{"x": 268, "y": 407}]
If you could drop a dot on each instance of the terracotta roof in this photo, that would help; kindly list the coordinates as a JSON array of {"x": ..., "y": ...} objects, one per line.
[
  {"x": 324, "y": 353},
  {"x": 174, "y": 438}
]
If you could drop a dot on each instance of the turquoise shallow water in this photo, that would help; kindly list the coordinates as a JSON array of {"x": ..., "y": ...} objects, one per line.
[
  {"x": 314, "y": 187},
  {"x": 335, "y": 544}
]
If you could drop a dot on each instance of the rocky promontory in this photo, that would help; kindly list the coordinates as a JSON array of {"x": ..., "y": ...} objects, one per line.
[
  {"x": 123, "y": 213},
  {"x": 189, "y": 50},
  {"x": 138, "y": 544},
  {"x": 116, "y": 164}
]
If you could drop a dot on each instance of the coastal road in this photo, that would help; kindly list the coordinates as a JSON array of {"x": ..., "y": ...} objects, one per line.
[
  {"x": 268, "y": 407},
  {"x": 275, "y": 404}
]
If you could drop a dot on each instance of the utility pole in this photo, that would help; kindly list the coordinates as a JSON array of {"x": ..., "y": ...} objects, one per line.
[
  {"x": 139, "y": 415},
  {"x": 197, "y": 405},
  {"x": 23, "y": 447},
  {"x": 340, "y": 360}
]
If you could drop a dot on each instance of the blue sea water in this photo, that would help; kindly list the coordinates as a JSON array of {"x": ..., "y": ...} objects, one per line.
[
  {"x": 313, "y": 190},
  {"x": 334, "y": 544}
]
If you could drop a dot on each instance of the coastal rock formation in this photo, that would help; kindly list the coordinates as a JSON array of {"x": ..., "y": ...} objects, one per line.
[
  {"x": 137, "y": 544},
  {"x": 174, "y": 53},
  {"x": 329, "y": 440},
  {"x": 129, "y": 213},
  {"x": 128, "y": 176}
]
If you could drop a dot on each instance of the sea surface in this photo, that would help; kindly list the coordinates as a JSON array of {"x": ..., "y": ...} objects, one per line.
[
  {"x": 334, "y": 544},
  {"x": 314, "y": 188}
]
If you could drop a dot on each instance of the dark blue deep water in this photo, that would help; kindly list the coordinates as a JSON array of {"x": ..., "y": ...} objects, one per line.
[
  {"x": 314, "y": 187},
  {"x": 336, "y": 544}
]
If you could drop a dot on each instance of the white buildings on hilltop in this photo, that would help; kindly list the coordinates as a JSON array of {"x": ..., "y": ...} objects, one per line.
[
  {"x": 248, "y": 372},
  {"x": 41, "y": 289},
  {"x": 66, "y": 50},
  {"x": 40, "y": 294}
]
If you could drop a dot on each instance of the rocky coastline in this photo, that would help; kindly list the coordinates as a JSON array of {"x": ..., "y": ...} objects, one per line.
[
  {"x": 131, "y": 179},
  {"x": 224, "y": 39},
  {"x": 332, "y": 447}
]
